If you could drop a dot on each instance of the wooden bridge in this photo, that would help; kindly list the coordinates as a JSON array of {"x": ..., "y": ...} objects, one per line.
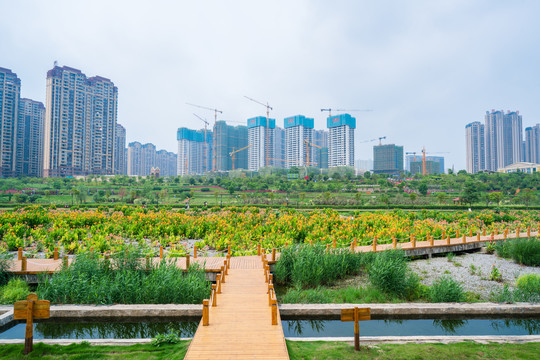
[
  {"x": 241, "y": 320},
  {"x": 212, "y": 265}
]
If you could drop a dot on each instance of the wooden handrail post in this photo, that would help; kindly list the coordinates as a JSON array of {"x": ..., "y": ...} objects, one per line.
[
  {"x": 229, "y": 250},
  {"x": 266, "y": 272},
  {"x": 505, "y": 234},
  {"x": 274, "y": 312},
  {"x": 478, "y": 237},
  {"x": 55, "y": 253},
  {"x": 484, "y": 232},
  {"x": 223, "y": 274},
  {"x": 334, "y": 245},
  {"x": 413, "y": 242},
  {"x": 528, "y": 231},
  {"x": 205, "y": 313},
  {"x": 457, "y": 234},
  {"x": 228, "y": 263},
  {"x": 270, "y": 290},
  {"x": 271, "y": 278},
  {"x": 464, "y": 239},
  {"x": 496, "y": 231},
  {"x": 517, "y": 232},
  {"x": 273, "y": 254},
  {"x": 443, "y": 234},
  {"x": 258, "y": 249},
  {"x": 355, "y": 242},
  {"x": 187, "y": 261},
  {"x": 218, "y": 282},
  {"x": 470, "y": 232},
  {"x": 23, "y": 264},
  {"x": 375, "y": 244},
  {"x": 195, "y": 251},
  {"x": 448, "y": 240},
  {"x": 161, "y": 253},
  {"x": 492, "y": 235},
  {"x": 214, "y": 295},
  {"x": 394, "y": 242},
  {"x": 431, "y": 241},
  {"x": 19, "y": 254}
]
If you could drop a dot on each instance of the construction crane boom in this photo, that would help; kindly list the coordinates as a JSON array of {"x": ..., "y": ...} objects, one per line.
[
  {"x": 205, "y": 160},
  {"x": 307, "y": 150},
  {"x": 268, "y": 108},
  {"x": 233, "y": 153},
  {"x": 216, "y": 111},
  {"x": 352, "y": 110}
]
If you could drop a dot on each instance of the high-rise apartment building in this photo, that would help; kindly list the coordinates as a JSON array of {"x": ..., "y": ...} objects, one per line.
[
  {"x": 280, "y": 148},
  {"x": 166, "y": 162},
  {"x": 80, "y": 124},
  {"x": 320, "y": 138},
  {"x": 503, "y": 139},
  {"x": 120, "y": 166},
  {"x": 387, "y": 159},
  {"x": 476, "y": 150},
  {"x": 194, "y": 155},
  {"x": 29, "y": 148},
  {"x": 261, "y": 139},
  {"x": 532, "y": 144},
  {"x": 134, "y": 159},
  {"x": 298, "y": 140},
  {"x": 341, "y": 140},
  {"x": 228, "y": 138},
  {"x": 10, "y": 93},
  {"x": 148, "y": 157}
]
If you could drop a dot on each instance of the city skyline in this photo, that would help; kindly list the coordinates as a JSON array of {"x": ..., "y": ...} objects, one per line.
[{"x": 416, "y": 64}]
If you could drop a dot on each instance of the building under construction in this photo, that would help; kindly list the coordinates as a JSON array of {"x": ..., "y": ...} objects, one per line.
[
  {"x": 228, "y": 139},
  {"x": 387, "y": 159}
]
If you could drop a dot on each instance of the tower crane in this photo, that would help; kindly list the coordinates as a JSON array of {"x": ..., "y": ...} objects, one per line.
[
  {"x": 268, "y": 108},
  {"x": 307, "y": 150},
  {"x": 205, "y": 162},
  {"x": 371, "y": 140},
  {"x": 344, "y": 110},
  {"x": 423, "y": 150},
  {"x": 216, "y": 111},
  {"x": 232, "y": 153}
]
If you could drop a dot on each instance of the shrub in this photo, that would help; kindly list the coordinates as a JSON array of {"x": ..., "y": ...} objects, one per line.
[
  {"x": 528, "y": 286},
  {"x": 15, "y": 290},
  {"x": 4, "y": 266},
  {"x": 446, "y": 289}
]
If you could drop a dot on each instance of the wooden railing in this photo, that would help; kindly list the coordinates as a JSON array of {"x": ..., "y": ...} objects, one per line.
[{"x": 216, "y": 289}]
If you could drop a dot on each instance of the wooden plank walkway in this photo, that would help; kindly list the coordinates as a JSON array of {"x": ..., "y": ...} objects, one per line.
[
  {"x": 213, "y": 264},
  {"x": 240, "y": 326}
]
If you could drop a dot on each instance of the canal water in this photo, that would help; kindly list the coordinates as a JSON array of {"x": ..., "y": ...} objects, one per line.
[{"x": 291, "y": 328}]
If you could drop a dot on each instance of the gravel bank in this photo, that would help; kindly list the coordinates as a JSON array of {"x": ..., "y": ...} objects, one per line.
[{"x": 473, "y": 279}]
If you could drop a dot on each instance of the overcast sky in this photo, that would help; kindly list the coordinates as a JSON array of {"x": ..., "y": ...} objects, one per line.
[{"x": 426, "y": 68}]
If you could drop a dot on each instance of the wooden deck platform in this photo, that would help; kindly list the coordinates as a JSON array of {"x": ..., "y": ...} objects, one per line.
[{"x": 240, "y": 326}]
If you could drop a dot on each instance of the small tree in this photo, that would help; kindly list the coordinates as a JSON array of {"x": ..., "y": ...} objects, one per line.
[
  {"x": 495, "y": 197},
  {"x": 441, "y": 197},
  {"x": 413, "y": 197}
]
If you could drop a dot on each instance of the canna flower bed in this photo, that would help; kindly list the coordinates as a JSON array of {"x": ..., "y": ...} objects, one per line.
[{"x": 40, "y": 230}]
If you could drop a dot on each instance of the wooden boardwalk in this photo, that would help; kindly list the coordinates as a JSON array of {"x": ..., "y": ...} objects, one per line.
[{"x": 240, "y": 326}]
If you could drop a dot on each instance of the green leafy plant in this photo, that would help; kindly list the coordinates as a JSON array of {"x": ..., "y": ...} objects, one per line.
[
  {"x": 490, "y": 248},
  {"x": 170, "y": 338},
  {"x": 15, "y": 290},
  {"x": 495, "y": 274},
  {"x": 446, "y": 289}
]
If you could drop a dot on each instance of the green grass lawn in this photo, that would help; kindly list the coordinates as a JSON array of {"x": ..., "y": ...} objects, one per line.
[{"x": 297, "y": 351}]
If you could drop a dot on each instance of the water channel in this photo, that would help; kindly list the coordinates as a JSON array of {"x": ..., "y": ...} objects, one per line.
[{"x": 186, "y": 327}]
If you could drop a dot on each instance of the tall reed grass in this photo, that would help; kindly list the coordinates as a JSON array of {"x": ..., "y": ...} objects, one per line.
[
  {"x": 311, "y": 266},
  {"x": 124, "y": 279},
  {"x": 524, "y": 251}
]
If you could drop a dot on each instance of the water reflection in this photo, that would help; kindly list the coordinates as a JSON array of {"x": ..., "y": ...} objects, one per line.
[
  {"x": 297, "y": 326},
  {"x": 50, "y": 330},
  {"x": 450, "y": 327},
  {"x": 531, "y": 326}
]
